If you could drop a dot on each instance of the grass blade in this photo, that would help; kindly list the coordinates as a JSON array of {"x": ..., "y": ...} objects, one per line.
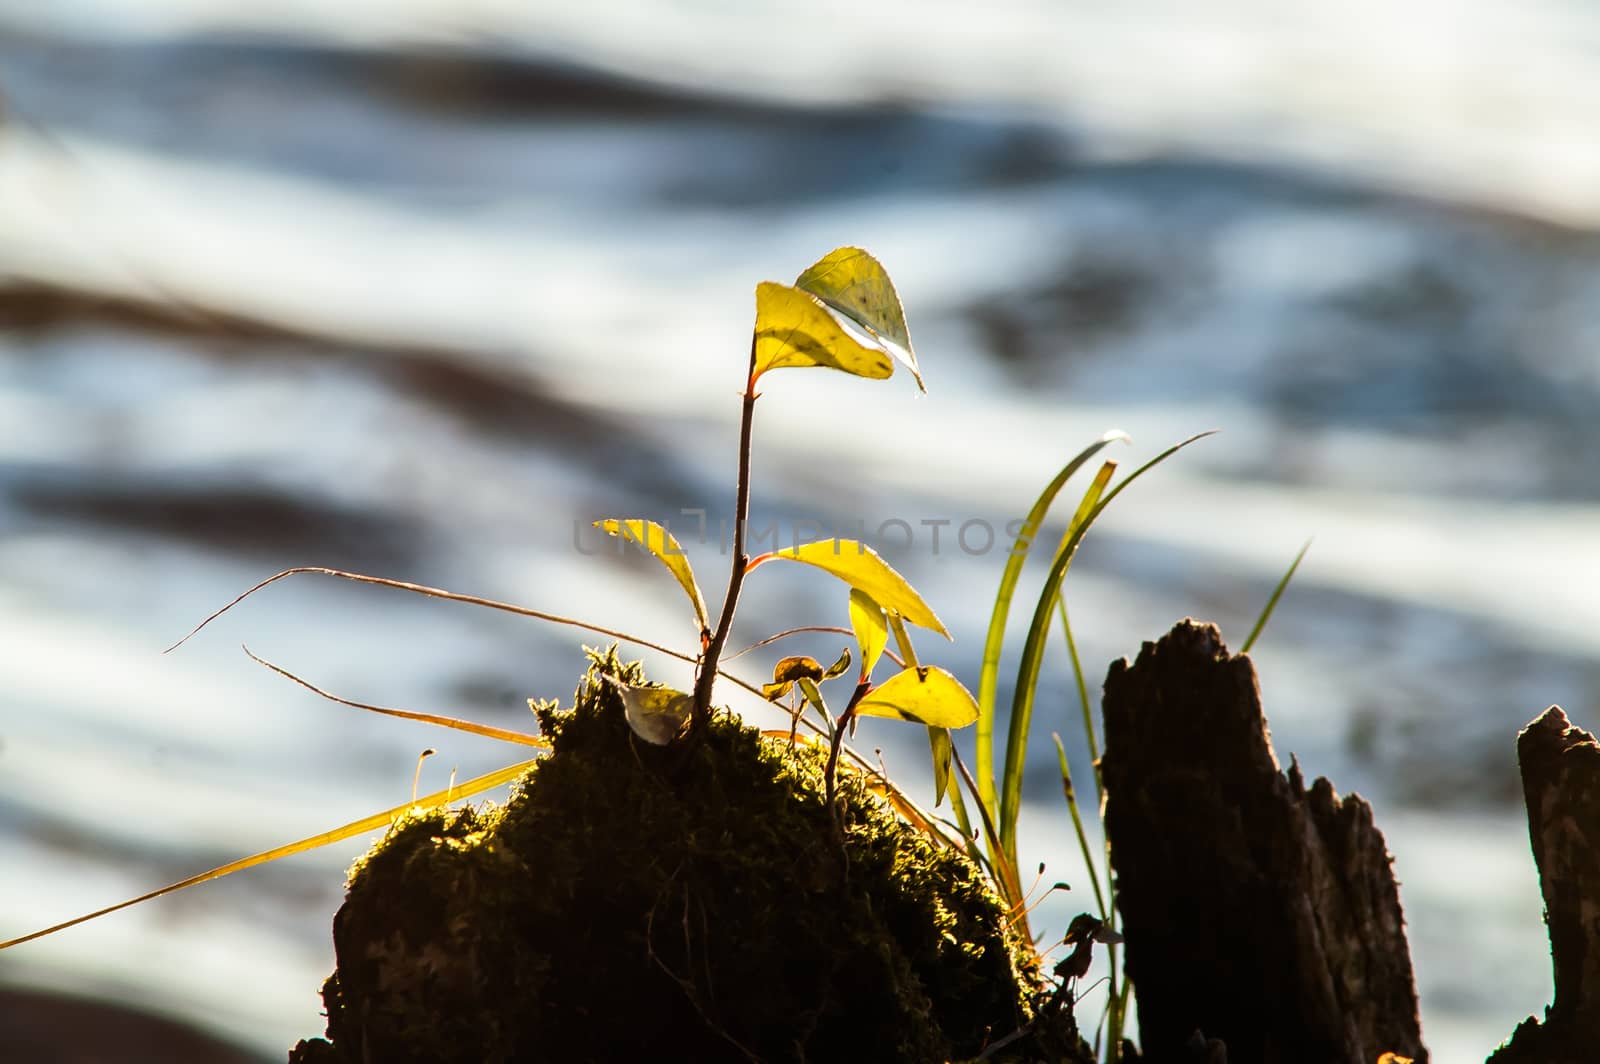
[
  {"x": 326, "y": 838},
  {"x": 1077, "y": 824},
  {"x": 1083, "y": 691},
  {"x": 1116, "y": 1012},
  {"x": 488, "y": 731},
  {"x": 1015, "y": 756},
  {"x": 471, "y": 600},
  {"x": 1091, "y": 499},
  {"x": 989, "y": 673},
  {"x": 1033, "y": 653},
  {"x": 1272, "y": 603},
  {"x": 1002, "y": 872},
  {"x": 439, "y": 593}
]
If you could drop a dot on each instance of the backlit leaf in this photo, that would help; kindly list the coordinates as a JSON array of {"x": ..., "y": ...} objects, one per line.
[
  {"x": 656, "y": 714},
  {"x": 929, "y": 695},
  {"x": 813, "y": 694},
  {"x": 860, "y": 566},
  {"x": 795, "y": 328},
  {"x": 852, "y": 282},
  {"x": 661, "y": 543},
  {"x": 871, "y": 628},
  {"x": 939, "y": 745}
]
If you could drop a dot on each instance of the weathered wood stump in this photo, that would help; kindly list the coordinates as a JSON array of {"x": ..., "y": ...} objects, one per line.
[
  {"x": 1256, "y": 911},
  {"x": 1561, "y": 785}
]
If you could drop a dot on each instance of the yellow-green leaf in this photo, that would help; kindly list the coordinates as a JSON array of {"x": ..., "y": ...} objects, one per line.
[
  {"x": 939, "y": 745},
  {"x": 929, "y": 695},
  {"x": 656, "y": 714},
  {"x": 658, "y": 541},
  {"x": 796, "y": 328},
  {"x": 852, "y": 282},
  {"x": 860, "y": 566},
  {"x": 871, "y": 628},
  {"x": 813, "y": 694},
  {"x": 902, "y": 639}
]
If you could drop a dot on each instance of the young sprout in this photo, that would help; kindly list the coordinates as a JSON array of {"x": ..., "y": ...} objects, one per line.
[
  {"x": 841, "y": 313},
  {"x": 416, "y": 777}
]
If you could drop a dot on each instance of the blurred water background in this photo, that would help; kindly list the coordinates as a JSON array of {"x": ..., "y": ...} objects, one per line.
[{"x": 421, "y": 287}]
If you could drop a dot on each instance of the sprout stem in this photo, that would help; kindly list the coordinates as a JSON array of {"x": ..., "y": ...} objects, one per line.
[{"x": 707, "y": 676}]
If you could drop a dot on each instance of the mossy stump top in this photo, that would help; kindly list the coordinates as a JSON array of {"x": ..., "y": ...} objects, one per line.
[{"x": 632, "y": 902}]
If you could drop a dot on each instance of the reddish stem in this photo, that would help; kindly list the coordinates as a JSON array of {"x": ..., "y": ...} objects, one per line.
[{"x": 707, "y": 676}]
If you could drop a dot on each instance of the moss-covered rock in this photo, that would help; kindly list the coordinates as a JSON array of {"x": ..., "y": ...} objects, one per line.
[{"x": 633, "y": 902}]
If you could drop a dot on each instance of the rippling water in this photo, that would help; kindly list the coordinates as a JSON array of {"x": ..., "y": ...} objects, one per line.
[{"x": 422, "y": 288}]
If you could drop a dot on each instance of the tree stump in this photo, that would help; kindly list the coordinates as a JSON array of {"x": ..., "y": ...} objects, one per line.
[
  {"x": 1256, "y": 911},
  {"x": 1561, "y": 786}
]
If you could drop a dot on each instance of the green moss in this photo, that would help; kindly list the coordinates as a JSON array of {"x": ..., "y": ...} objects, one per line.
[{"x": 633, "y": 902}]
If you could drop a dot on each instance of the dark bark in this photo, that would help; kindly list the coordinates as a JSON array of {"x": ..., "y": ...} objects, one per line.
[
  {"x": 1256, "y": 911},
  {"x": 1561, "y": 785}
]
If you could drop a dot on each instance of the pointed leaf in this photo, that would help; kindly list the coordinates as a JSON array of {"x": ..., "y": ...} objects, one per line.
[
  {"x": 929, "y": 695},
  {"x": 860, "y": 566},
  {"x": 902, "y": 639},
  {"x": 852, "y": 282},
  {"x": 813, "y": 694},
  {"x": 658, "y": 541},
  {"x": 840, "y": 664},
  {"x": 795, "y": 328},
  {"x": 871, "y": 628},
  {"x": 939, "y": 744}
]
